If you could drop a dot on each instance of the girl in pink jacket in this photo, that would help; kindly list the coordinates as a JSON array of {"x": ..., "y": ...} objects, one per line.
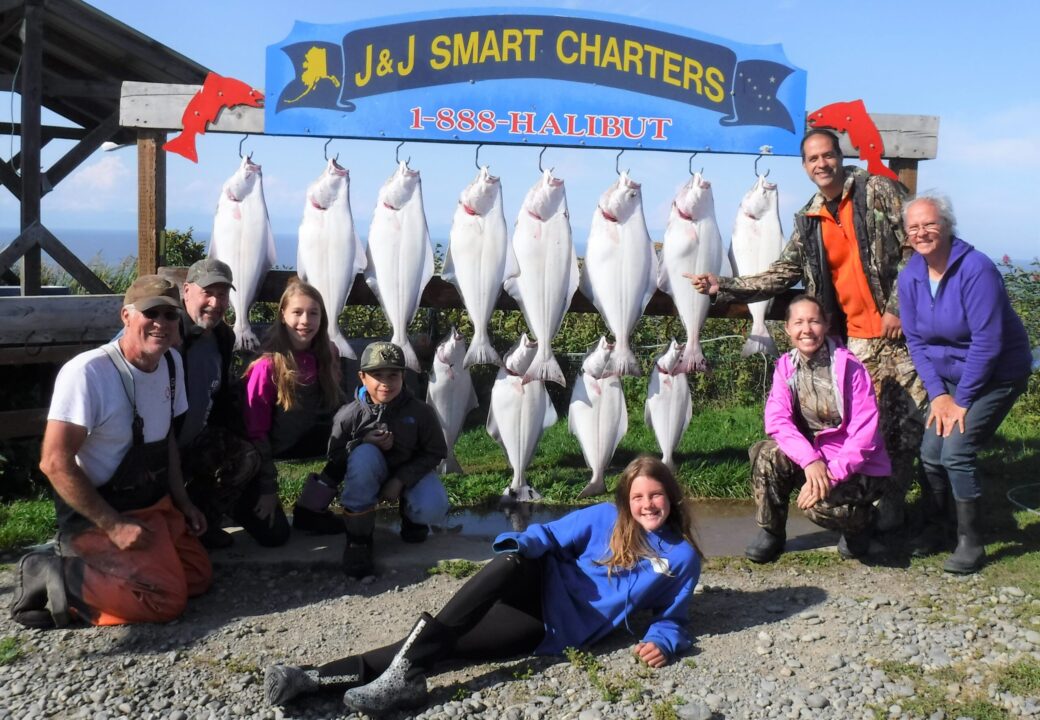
[{"x": 822, "y": 418}]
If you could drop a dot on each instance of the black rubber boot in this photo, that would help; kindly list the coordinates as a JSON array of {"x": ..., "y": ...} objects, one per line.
[
  {"x": 315, "y": 522},
  {"x": 970, "y": 554},
  {"x": 358, "y": 554},
  {"x": 854, "y": 545},
  {"x": 284, "y": 683},
  {"x": 937, "y": 534},
  {"x": 412, "y": 532},
  {"x": 766, "y": 546},
  {"x": 39, "y": 597},
  {"x": 402, "y": 686}
]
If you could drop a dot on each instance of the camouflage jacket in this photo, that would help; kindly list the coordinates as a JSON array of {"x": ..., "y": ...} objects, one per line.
[{"x": 883, "y": 248}]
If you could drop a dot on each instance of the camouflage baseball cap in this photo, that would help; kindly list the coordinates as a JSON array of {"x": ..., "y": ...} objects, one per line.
[
  {"x": 149, "y": 291},
  {"x": 209, "y": 271},
  {"x": 382, "y": 356}
]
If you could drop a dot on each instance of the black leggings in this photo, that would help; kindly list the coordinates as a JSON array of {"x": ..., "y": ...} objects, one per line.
[{"x": 497, "y": 614}]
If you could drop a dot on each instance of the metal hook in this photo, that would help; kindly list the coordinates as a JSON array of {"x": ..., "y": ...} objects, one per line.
[
  {"x": 327, "y": 150},
  {"x": 756, "y": 167},
  {"x": 690, "y": 164},
  {"x": 397, "y": 156},
  {"x": 476, "y": 156},
  {"x": 544, "y": 148},
  {"x": 617, "y": 161},
  {"x": 242, "y": 142}
]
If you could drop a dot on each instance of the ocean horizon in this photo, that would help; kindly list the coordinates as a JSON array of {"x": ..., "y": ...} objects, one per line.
[{"x": 112, "y": 246}]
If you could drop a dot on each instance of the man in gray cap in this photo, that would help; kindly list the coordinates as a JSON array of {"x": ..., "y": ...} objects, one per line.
[
  {"x": 218, "y": 462},
  {"x": 127, "y": 547}
]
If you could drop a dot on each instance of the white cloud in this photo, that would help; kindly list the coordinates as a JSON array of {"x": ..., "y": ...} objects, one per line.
[
  {"x": 1006, "y": 138},
  {"x": 101, "y": 187}
]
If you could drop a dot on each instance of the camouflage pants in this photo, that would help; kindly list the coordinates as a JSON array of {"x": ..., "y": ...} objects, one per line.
[
  {"x": 217, "y": 467},
  {"x": 849, "y": 507},
  {"x": 902, "y": 402}
]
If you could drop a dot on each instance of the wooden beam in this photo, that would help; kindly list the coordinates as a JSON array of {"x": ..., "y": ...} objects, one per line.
[
  {"x": 75, "y": 267},
  {"x": 81, "y": 150},
  {"x": 45, "y": 354},
  {"x": 157, "y": 106},
  {"x": 51, "y": 319},
  {"x": 913, "y": 137},
  {"x": 151, "y": 199},
  {"x": 47, "y": 132},
  {"x": 907, "y": 172},
  {"x": 31, "y": 101},
  {"x": 10, "y": 180},
  {"x": 26, "y": 239},
  {"x": 22, "y": 423}
]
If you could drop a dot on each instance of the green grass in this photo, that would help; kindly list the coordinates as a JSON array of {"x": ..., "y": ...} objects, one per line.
[
  {"x": 458, "y": 569},
  {"x": 10, "y": 650},
  {"x": 26, "y": 522},
  {"x": 1020, "y": 678}
]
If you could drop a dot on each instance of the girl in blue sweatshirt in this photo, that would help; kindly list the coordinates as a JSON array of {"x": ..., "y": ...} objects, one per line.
[{"x": 563, "y": 584}]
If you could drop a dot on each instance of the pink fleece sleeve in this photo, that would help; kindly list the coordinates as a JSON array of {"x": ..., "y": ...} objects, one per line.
[
  {"x": 780, "y": 424},
  {"x": 863, "y": 442},
  {"x": 261, "y": 395}
]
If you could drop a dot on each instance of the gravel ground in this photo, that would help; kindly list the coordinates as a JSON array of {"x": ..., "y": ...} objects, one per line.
[{"x": 796, "y": 640}]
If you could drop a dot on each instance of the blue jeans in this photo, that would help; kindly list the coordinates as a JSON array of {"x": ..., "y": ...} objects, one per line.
[
  {"x": 426, "y": 503},
  {"x": 954, "y": 458}
]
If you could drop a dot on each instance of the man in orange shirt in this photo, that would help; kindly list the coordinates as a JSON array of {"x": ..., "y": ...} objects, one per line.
[{"x": 847, "y": 248}]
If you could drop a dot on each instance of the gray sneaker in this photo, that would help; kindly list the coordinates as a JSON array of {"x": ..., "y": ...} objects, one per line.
[{"x": 282, "y": 683}]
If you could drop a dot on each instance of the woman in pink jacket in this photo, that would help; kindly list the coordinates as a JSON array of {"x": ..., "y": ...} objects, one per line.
[{"x": 822, "y": 419}]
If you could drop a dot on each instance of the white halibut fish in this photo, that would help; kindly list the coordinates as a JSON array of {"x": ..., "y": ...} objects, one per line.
[
  {"x": 400, "y": 257},
  {"x": 329, "y": 254},
  {"x": 668, "y": 406},
  {"x": 620, "y": 271},
  {"x": 692, "y": 244},
  {"x": 243, "y": 238},
  {"x": 519, "y": 414},
  {"x": 478, "y": 251},
  {"x": 757, "y": 241},
  {"x": 450, "y": 393},
  {"x": 546, "y": 273},
  {"x": 598, "y": 415}
]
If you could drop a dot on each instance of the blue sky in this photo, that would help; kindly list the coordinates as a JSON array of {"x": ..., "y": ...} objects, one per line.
[{"x": 969, "y": 63}]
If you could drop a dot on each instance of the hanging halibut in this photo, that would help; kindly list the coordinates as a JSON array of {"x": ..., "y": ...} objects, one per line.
[
  {"x": 620, "y": 271},
  {"x": 450, "y": 393},
  {"x": 520, "y": 412},
  {"x": 546, "y": 273},
  {"x": 329, "y": 255},
  {"x": 668, "y": 405},
  {"x": 757, "y": 241},
  {"x": 400, "y": 257},
  {"x": 692, "y": 244},
  {"x": 478, "y": 251},
  {"x": 598, "y": 416},
  {"x": 243, "y": 238}
]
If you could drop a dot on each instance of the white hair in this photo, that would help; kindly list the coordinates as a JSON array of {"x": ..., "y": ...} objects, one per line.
[{"x": 942, "y": 205}]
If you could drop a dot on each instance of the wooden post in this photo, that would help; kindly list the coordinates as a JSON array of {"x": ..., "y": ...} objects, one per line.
[
  {"x": 31, "y": 99},
  {"x": 151, "y": 199},
  {"x": 906, "y": 169}
]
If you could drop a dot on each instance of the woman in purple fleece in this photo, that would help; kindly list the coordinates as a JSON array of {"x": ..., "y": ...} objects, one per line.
[{"x": 972, "y": 353}]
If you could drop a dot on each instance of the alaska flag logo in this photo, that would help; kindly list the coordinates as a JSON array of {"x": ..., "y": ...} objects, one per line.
[
  {"x": 754, "y": 95},
  {"x": 319, "y": 76}
]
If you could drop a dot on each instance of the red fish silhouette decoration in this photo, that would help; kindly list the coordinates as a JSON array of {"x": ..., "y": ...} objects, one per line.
[
  {"x": 217, "y": 93},
  {"x": 852, "y": 117}
]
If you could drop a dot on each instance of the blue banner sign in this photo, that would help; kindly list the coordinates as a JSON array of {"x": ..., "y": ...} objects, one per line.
[{"x": 542, "y": 79}]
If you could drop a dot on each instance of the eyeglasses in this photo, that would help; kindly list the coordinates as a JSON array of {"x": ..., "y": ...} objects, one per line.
[
  {"x": 926, "y": 228},
  {"x": 167, "y": 315}
]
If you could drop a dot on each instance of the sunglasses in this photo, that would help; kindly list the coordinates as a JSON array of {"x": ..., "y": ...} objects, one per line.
[{"x": 168, "y": 315}]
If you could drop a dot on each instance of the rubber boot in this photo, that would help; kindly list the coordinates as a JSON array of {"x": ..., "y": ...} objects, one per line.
[
  {"x": 935, "y": 535},
  {"x": 357, "y": 554},
  {"x": 412, "y": 532},
  {"x": 766, "y": 546},
  {"x": 402, "y": 686},
  {"x": 311, "y": 512},
  {"x": 970, "y": 554},
  {"x": 284, "y": 683},
  {"x": 39, "y": 597}
]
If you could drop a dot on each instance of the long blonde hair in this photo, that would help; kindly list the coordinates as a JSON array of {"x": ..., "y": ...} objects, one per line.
[
  {"x": 628, "y": 542},
  {"x": 278, "y": 347}
]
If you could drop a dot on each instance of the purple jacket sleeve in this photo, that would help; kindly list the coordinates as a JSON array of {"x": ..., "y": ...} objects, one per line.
[
  {"x": 668, "y": 626},
  {"x": 780, "y": 424},
  {"x": 862, "y": 440},
  {"x": 914, "y": 342},
  {"x": 980, "y": 297}
]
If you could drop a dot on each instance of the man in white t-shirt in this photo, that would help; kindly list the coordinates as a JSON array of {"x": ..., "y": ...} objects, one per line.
[{"x": 127, "y": 532}]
